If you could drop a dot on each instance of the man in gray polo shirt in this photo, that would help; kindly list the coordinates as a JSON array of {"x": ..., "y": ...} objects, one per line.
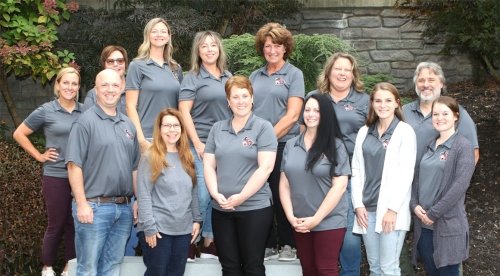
[
  {"x": 429, "y": 81},
  {"x": 102, "y": 156}
]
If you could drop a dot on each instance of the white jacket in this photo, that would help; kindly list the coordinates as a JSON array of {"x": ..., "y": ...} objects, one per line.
[{"x": 397, "y": 177}]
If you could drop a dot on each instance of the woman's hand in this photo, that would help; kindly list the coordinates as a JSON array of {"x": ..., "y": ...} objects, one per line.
[
  {"x": 362, "y": 217},
  {"x": 200, "y": 149},
  {"x": 195, "y": 232},
  {"x": 151, "y": 240},
  {"x": 50, "y": 154},
  {"x": 306, "y": 224},
  {"x": 419, "y": 212},
  {"x": 427, "y": 221},
  {"x": 222, "y": 201},
  {"x": 389, "y": 221},
  {"x": 233, "y": 201},
  {"x": 135, "y": 212},
  {"x": 144, "y": 145}
]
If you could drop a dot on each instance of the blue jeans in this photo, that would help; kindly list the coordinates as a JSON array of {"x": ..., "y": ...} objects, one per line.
[
  {"x": 100, "y": 245},
  {"x": 383, "y": 250},
  {"x": 133, "y": 240},
  {"x": 426, "y": 250},
  {"x": 203, "y": 198},
  {"x": 169, "y": 257},
  {"x": 350, "y": 254}
]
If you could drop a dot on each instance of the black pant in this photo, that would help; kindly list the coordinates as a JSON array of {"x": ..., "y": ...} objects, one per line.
[
  {"x": 281, "y": 233},
  {"x": 240, "y": 238}
]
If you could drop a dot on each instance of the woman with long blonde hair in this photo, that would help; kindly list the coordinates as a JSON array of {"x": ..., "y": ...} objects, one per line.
[
  {"x": 153, "y": 79},
  {"x": 169, "y": 217}
]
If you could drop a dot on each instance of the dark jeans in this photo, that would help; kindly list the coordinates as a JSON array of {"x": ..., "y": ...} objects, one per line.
[
  {"x": 168, "y": 257},
  {"x": 57, "y": 195},
  {"x": 319, "y": 251},
  {"x": 240, "y": 238},
  {"x": 426, "y": 250},
  {"x": 281, "y": 233}
]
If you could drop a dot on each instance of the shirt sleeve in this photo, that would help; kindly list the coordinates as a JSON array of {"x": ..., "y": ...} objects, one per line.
[
  {"x": 210, "y": 144},
  {"x": 297, "y": 87},
  {"x": 78, "y": 140},
  {"x": 36, "y": 120},
  {"x": 90, "y": 99},
  {"x": 266, "y": 141},
  {"x": 134, "y": 77},
  {"x": 145, "y": 204},
  {"x": 467, "y": 127},
  {"x": 342, "y": 167},
  {"x": 188, "y": 88}
]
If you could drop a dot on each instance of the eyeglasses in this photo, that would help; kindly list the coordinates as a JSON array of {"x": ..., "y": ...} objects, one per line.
[
  {"x": 170, "y": 126},
  {"x": 119, "y": 61}
]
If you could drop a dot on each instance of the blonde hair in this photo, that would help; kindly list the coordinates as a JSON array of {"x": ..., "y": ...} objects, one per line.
[
  {"x": 323, "y": 82},
  {"x": 60, "y": 74},
  {"x": 196, "y": 61},
  {"x": 158, "y": 150},
  {"x": 144, "y": 50}
]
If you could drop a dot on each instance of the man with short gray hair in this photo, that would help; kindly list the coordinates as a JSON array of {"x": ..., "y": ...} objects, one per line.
[
  {"x": 102, "y": 157},
  {"x": 429, "y": 82}
]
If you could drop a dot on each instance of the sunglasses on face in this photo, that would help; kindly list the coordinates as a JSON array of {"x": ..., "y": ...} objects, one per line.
[{"x": 119, "y": 61}]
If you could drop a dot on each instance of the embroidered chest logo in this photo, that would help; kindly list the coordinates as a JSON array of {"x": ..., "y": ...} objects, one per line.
[
  {"x": 129, "y": 134},
  {"x": 279, "y": 81},
  {"x": 247, "y": 142},
  {"x": 443, "y": 156},
  {"x": 348, "y": 107},
  {"x": 385, "y": 142}
]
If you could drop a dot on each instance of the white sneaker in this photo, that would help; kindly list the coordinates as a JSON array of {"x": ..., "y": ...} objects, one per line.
[
  {"x": 287, "y": 254},
  {"x": 48, "y": 271},
  {"x": 65, "y": 273},
  {"x": 270, "y": 254}
]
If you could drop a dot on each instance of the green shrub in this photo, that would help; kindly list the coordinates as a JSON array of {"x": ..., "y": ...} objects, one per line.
[{"x": 22, "y": 211}]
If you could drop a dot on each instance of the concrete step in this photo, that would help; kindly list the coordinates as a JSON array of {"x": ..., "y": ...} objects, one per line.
[{"x": 133, "y": 266}]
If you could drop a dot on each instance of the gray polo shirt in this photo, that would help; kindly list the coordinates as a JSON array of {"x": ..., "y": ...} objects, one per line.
[
  {"x": 351, "y": 112},
  {"x": 169, "y": 205},
  {"x": 56, "y": 124},
  {"x": 374, "y": 149},
  {"x": 91, "y": 100},
  {"x": 431, "y": 172},
  {"x": 158, "y": 88},
  {"x": 271, "y": 94},
  {"x": 425, "y": 131},
  {"x": 236, "y": 157},
  {"x": 209, "y": 99},
  {"x": 309, "y": 188},
  {"x": 107, "y": 151}
]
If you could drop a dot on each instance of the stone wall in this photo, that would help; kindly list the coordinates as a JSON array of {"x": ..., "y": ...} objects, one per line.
[{"x": 385, "y": 41}]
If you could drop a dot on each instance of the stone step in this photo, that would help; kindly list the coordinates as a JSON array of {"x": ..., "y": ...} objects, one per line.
[{"x": 133, "y": 266}]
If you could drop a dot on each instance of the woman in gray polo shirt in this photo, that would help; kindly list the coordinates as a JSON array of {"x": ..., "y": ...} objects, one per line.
[
  {"x": 444, "y": 171},
  {"x": 153, "y": 80},
  {"x": 116, "y": 58},
  {"x": 202, "y": 102},
  {"x": 279, "y": 96},
  {"x": 382, "y": 172},
  {"x": 239, "y": 156},
  {"x": 315, "y": 170},
  {"x": 55, "y": 119},
  {"x": 169, "y": 217}
]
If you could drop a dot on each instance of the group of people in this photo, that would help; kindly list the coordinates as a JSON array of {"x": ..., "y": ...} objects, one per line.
[{"x": 254, "y": 166}]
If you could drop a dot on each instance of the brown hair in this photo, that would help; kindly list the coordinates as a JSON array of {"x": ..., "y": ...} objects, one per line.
[
  {"x": 372, "y": 115},
  {"x": 323, "y": 82},
  {"x": 108, "y": 50},
  {"x": 158, "y": 149},
  {"x": 195, "y": 51},
  {"x": 278, "y": 34},
  {"x": 450, "y": 103},
  {"x": 240, "y": 82}
]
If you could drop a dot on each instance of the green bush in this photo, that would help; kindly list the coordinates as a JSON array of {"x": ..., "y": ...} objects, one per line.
[{"x": 22, "y": 212}]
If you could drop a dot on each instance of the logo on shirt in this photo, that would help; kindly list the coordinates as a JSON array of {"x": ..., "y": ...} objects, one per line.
[
  {"x": 247, "y": 142},
  {"x": 385, "y": 143},
  {"x": 348, "y": 107},
  {"x": 443, "y": 156},
  {"x": 279, "y": 81},
  {"x": 129, "y": 134}
]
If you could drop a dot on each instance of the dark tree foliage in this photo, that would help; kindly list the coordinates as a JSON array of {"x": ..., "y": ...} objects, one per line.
[{"x": 465, "y": 25}]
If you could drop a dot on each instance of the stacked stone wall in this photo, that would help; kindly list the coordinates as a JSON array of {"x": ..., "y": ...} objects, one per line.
[{"x": 386, "y": 42}]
